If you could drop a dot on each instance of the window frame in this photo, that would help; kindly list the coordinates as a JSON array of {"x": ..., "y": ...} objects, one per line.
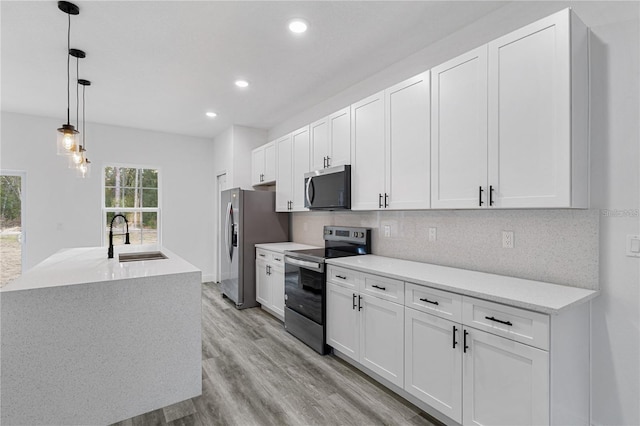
[{"x": 104, "y": 210}]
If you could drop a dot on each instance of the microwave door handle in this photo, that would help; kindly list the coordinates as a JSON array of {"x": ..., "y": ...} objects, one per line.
[{"x": 307, "y": 189}]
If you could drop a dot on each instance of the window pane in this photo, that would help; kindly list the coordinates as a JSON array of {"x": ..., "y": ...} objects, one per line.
[
  {"x": 110, "y": 197},
  {"x": 149, "y": 197},
  {"x": 150, "y": 227},
  {"x": 149, "y": 178},
  {"x": 11, "y": 227},
  {"x": 129, "y": 198},
  {"x": 109, "y": 176}
]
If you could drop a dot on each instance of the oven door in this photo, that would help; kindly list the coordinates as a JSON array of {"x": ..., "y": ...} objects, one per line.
[{"x": 304, "y": 283}]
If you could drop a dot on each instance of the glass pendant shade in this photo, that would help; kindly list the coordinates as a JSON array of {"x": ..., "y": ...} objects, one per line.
[
  {"x": 84, "y": 169},
  {"x": 67, "y": 139},
  {"x": 77, "y": 157}
]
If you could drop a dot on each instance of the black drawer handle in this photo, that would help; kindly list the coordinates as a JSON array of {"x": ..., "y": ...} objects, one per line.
[
  {"x": 359, "y": 305},
  {"x": 378, "y": 287},
  {"x": 341, "y": 277},
  {"x": 429, "y": 301},
  {"x": 464, "y": 342},
  {"x": 497, "y": 320},
  {"x": 277, "y": 259},
  {"x": 354, "y": 301}
]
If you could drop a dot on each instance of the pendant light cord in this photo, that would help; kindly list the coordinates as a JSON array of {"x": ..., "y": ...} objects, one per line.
[
  {"x": 84, "y": 143},
  {"x": 68, "y": 72},
  {"x": 77, "y": 92}
]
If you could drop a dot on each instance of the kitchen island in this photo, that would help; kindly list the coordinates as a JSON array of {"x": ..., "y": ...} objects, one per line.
[{"x": 89, "y": 340}]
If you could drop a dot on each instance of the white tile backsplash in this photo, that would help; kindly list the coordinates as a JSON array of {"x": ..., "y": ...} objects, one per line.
[{"x": 557, "y": 246}]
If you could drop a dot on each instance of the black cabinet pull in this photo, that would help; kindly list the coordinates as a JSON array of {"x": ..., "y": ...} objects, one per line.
[
  {"x": 379, "y": 201},
  {"x": 454, "y": 337},
  {"x": 267, "y": 270},
  {"x": 429, "y": 301},
  {"x": 500, "y": 321},
  {"x": 354, "y": 301},
  {"x": 277, "y": 259},
  {"x": 386, "y": 197},
  {"x": 490, "y": 195},
  {"x": 378, "y": 287},
  {"x": 341, "y": 277},
  {"x": 324, "y": 162},
  {"x": 480, "y": 202},
  {"x": 328, "y": 161},
  {"x": 359, "y": 304},
  {"x": 464, "y": 342}
]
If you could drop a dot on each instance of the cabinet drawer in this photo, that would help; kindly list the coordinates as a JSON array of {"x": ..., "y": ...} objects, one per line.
[
  {"x": 263, "y": 254},
  {"x": 437, "y": 302},
  {"x": 277, "y": 259},
  {"x": 344, "y": 277},
  {"x": 531, "y": 328},
  {"x": 384, "y": 288}
]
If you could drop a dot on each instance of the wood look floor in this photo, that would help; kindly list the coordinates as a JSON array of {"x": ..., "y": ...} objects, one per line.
[{"x": 255, "y": 373}]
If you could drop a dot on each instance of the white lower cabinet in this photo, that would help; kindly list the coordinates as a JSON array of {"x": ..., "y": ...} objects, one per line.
[
  {"x": 367, "y": 329},
  {"x": 475, "y": 361},
  {"x": 270, "y": 282},
  {"x": 433, "y": 362},
  {"x": 504, "y": 382}
]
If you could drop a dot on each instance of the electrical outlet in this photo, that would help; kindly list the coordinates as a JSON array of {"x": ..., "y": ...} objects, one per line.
[
  {"x": 507, "y": 239},
  {"x": 387, "y": 231},
  {"x": 432, "y": 234},
  {"x": 633, "y": 245}
]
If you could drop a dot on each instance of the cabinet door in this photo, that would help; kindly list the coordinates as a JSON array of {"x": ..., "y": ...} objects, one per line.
[
  {"x": 504, "y": 382},
  {"x": 300, "y": 166},
  {"x": 530, "y": 115},
  {"x": 284, "y": 175},
  {"x": 433, "y": 362},
  {"x": 367, "y": 153},
  {"x": 257, "y": 166},
  {"x": 459, "y": 132},
  {"x": 270, "y": 162},
  {"x": 262, "y": 283},
  {"x": 382, "y": 338},
  {"x": 407, "y": 143},
  {"x": 342, "y": 320},
  {"x": 276, "y": 282},
  {"x": 319, "y": 143},
  {"x": 340, "y": 137}
]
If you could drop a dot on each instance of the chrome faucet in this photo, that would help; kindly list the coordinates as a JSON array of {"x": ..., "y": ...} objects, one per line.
[{"x": 126, "y": 240}]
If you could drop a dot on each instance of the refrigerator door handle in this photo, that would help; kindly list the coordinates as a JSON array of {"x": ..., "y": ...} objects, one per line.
[{"x": 228, "y": 230}]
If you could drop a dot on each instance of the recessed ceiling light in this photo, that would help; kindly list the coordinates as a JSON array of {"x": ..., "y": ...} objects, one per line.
[
  {"x": 242, "y": 83},
  {"x": 297, "y": 26},
  {"x": 211, "y": 114}
]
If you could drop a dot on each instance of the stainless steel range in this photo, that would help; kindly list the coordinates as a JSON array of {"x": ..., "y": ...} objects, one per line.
[{"x": 305, "y": 281}]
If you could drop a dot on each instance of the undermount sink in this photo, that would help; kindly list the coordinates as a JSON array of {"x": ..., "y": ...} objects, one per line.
[{"x": 140, "y": 256}]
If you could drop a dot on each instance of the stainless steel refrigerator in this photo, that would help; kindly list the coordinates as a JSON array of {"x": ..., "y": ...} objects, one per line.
[{"x": 247, "y": 218}]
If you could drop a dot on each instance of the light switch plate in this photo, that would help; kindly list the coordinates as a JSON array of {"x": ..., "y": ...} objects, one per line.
[
  {"x": 507, "y": 239},
  {"x": 633, "y": 245},
  {"x": 387, "y": 231},
  {"x": 432, "y": 234}
]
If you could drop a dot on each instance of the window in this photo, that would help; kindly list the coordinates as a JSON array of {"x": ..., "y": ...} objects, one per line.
[
  {"x": 135, "y": 193},
  {"x": 12, "y": 235}
]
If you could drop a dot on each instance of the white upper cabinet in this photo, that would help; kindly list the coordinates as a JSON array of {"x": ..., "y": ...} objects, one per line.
[
  {"x": 509, "y": 121},
  {"x": 263, "y": 164},
  {"x": 330, "y": 143},
  {"x": 407, "y": 144},
  {"x": 390, "y": 148},
  {"x": 535, "y": 96},
  {"x": 367, "y": 153},
  {"x": 459, "y": 131},
  {"x": 293, "y": 163}
]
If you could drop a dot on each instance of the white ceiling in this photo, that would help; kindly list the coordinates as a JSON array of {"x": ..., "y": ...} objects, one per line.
[{"x": 161, "y": 65}]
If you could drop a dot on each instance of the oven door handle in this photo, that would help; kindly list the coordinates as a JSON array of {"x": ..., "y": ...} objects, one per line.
[{"x": 314, "y": 266}]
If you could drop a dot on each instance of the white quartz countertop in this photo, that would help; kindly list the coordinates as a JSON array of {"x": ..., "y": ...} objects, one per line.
[
  {"x": 528, "y": 294},
  {"x": 90, "y": 264},
  {"x": 282, "y": 247}
]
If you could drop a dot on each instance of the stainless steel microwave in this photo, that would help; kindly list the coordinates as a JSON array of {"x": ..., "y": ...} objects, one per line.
[{"x": 328, "y": 189}]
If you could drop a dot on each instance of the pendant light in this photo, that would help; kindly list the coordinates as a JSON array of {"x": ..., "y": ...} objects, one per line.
[
  {"x": 84, "y": 166},
  {"x": 76, "y": 158},
  {"x": 67, "y": 134}
]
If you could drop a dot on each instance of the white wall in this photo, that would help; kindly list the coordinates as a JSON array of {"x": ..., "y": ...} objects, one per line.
[
  {"x": 614, "y": 181},
  {"x": 64, "y": 211}
]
